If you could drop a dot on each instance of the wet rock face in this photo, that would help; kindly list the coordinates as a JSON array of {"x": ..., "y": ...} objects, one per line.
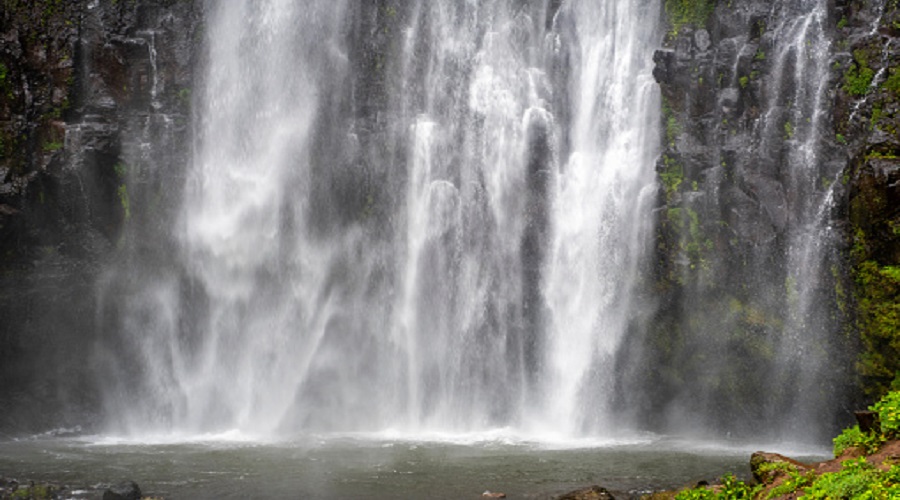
[
  {"x": 867, "y": 121},
  {"x": 94, "y": 98},
  {"x": 750, "y": 180}
]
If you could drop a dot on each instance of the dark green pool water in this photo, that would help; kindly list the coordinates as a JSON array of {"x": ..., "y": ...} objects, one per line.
[{"x": 370, "y": 467}]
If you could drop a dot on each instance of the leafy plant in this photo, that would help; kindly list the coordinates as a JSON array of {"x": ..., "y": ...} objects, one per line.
[
  {"x": 788, "y": 130},
  {"x": 732, "y": 488},
  {"x": 888, "y": 409},
  {"x": 794, "y": 482},
  {"x": 857, "y": 479},
  {"x": 853, "y": 437}
]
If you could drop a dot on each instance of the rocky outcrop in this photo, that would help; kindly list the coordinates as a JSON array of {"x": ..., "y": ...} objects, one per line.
[
  {"x": 589, "y": 493},
  {"x": 779, "y": 147},
  {"x": 867, "y": 118},
  {"x": 93, "y": 98}
]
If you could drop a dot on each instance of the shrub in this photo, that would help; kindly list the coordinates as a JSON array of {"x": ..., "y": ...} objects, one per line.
[
  {"x": 888, "y": 411},
  {"x": 857, "y": 479}
]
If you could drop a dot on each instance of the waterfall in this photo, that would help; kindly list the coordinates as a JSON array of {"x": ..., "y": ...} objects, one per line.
[
  {"x": 428, "y": 217},
  {"x": 602, "y": 200},
  {"x": 803, "y": 56}
]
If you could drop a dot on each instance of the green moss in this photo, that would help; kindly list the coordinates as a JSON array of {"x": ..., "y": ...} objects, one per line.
[
  {"x": 744, "y": 81},
  {"x": 6, "y": 87},
  {"x": 672, "y": 176},
  {"x": 673, "y": 127},
  {"x": 683, "y": 13},
  {"x": 858, "y": 77},
  {"x": 892, "y": 83},
  {"x": 120, "y": 169},
  {"x": 184, "y": 96},
  {"x": 788, "y": 130},
  {"x": 36, "y": 492},
  {"x": 692, "y": 241},
  {"x": 877, "y": 111},
  {"x": 123, "y": 200},
  {"x": 53, "y": 146},
  {"x": 878, "y": 297}
]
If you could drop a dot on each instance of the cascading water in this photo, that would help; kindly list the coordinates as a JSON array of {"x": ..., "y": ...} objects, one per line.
[
  {"x": 803, "y": 53},
  {"x": 427, "y": 217},
  {"x": 601, "y": 204}
]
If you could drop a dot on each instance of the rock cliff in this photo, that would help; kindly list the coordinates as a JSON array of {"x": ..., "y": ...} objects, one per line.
[{"x": 94, "y": 112}]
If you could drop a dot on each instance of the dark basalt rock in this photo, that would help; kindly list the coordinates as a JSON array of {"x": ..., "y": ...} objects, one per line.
[
  {"x": 590, "y": 493},
  {"x": 128, "y": 490},
  {"x": 76, "y": 108}
]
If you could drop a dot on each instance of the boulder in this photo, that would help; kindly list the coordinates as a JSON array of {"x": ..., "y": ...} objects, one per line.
[
  {"x": 127, "y": 490},
  {"x": 590, "y": 493},
  {"x": 768, "y": 475}
]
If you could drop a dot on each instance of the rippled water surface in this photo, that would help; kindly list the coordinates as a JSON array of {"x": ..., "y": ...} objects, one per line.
[{"x": 385, "y": 466}]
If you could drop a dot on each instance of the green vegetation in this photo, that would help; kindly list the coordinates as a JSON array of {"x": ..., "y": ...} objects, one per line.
[
  {"x": 673, "y": 127},
  {"x": 691, "y": 241},
  {"x": 53, "y": 146},
  {"x": 123, "y": 199},
  {"x": 120, "y": 169},
  {"x": 892, "y": 83},
  {"x": 858, "y": 77},
  {"x": 672, "y": 176},
  {"x": 842, "y": 23},
  {"x": 682, "y": 13},
  {"x": 878, "y": 303},
  {"x": 732, "y": 488},
  {"x": 853, "y": 437},
  {"x": 744, "y": 81},
  {"x": 36, "y": 492},
  {"x": 857, "y": 478},
  {"x": 788, "y": 130},
  {"x": 184, "y": 97},
  {"x": 5, "y": 86}
]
